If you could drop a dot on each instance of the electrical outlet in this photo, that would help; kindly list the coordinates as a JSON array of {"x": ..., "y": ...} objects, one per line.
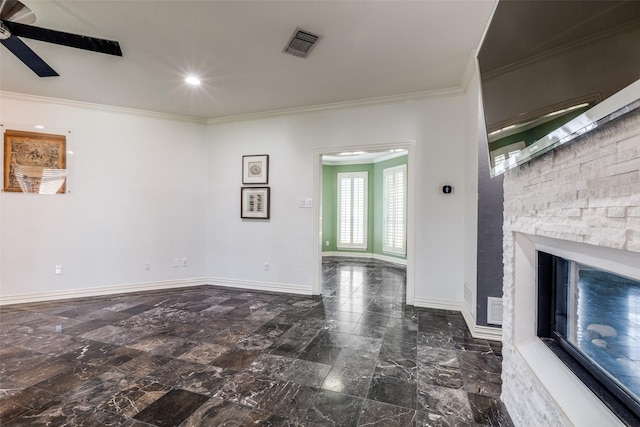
[
  {"x": 326, "y": 243},
  {"x": 58, "y": 329},
  {"x": 147, "y": 266},
  {"x": 58, "y": 270},
  {"x": 266, "y": 266}
]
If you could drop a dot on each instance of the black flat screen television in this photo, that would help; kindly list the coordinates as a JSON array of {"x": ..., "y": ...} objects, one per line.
[{"x": 552, "y": 70}]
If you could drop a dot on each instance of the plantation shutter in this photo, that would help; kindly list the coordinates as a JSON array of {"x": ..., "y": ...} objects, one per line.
[
  {"x": 352, "y": 210},
  {"x": 394, "y": 195}
]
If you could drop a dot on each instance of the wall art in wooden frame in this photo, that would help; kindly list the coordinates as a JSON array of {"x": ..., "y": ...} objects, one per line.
[{"x": 34, "y": 162}]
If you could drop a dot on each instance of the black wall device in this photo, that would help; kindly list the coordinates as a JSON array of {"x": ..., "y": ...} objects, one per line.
[{"x": 447, "y": 189}]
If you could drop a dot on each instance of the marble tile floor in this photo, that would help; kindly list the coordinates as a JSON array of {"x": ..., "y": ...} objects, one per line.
[{"x": 212, "y": 356}]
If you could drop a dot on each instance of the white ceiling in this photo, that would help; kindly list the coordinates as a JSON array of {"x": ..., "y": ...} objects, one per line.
[
  {"x": 367, "y": 50},
  {"x": 358, "y": 157}
]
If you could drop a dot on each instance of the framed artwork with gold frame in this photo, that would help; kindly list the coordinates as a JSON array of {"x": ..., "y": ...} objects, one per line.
[
  {"x": 255, "y": 169},
  {"x": 34, "y": 162}
]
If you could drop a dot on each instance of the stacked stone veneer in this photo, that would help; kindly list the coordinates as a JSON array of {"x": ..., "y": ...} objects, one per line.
[{"x": 587, "y": 191}]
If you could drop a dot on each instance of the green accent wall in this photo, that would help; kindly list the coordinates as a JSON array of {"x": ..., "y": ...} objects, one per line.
[{"x": 330, "y": 203}]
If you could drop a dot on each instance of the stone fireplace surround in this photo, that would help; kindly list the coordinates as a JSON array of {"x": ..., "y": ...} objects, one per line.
[{"x": 581, "y": 201}]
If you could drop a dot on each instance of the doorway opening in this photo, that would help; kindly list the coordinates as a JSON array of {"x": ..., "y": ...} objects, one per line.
[{"x": 365, "y": 208}]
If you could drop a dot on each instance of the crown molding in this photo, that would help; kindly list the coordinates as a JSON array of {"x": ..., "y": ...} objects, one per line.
[
  {"x": 98, "y": 107},
  {"x": 406, "y": 97}
]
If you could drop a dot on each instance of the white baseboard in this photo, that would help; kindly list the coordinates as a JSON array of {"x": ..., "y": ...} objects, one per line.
[
  {"x": 441, "y": 304},
  {"x": 100, "y": 291},
  {"x": 261, "y": 286},
  {"x": 152, "y": 286},
  {"x": 367, "y": 255},
  {"x": 487, "y": 333},
  {"x": 481, "y": 332}
]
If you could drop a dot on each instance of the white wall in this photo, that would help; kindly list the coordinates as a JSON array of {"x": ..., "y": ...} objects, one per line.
[
  {"x": 137, "y": 194},
  {"x": 237, "y": 249},
  {"x": 144, "y": 187}
]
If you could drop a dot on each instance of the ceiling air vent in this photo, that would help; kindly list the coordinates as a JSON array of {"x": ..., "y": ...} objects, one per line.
[{"x": 301, "y": 43}]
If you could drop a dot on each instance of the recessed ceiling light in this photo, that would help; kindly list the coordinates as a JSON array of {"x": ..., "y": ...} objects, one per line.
[
  {"x": 39, "y": 127},
  {"x": 194, "y": 81}
]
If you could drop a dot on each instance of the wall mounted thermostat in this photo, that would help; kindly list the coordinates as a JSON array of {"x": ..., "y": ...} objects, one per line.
[{"x": 447, "y": 189}]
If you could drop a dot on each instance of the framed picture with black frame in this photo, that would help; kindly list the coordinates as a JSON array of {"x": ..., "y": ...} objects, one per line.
[
  {"x": 255, "y": 202},
  {"x": 255, "y": 169}
]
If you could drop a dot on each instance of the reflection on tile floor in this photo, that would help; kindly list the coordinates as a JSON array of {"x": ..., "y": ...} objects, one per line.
[{"x": 211, "y": 356}]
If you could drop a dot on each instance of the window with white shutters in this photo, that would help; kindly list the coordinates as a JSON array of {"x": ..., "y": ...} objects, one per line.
[
  {"x": 394, "y": 208},
  {"x": 352, "y": 210}
]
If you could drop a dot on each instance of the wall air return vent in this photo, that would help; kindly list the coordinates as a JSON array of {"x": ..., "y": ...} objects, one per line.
[
  {"x": 494, "y": 311},
  {"x": 301, "y": 43}
]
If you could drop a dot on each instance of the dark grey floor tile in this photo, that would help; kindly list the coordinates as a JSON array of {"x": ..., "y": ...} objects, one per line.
[
  {"x": 437, "y": 356},
  {"x": 172, "y": 408},
  {"x": 474, "y": 361},
  {"x": 195, "y": 377},
  {"x": 267, "y": 419},
  {"x": 221, "y": 356},
  {"x": 288, "y": 399},
  {"x": 204, "y": 353},
  {"x": 45, "y": 369},
  {"x": 100, "y": 389},
  {"x": 23, "y": 402},
  {"x": 142, "y": 365},
  {"x": 98, "y": 353},
  {"x": 481, "y": 382},
  {"x": 334, "y": 409},
  {"x": 384, "y": 415},
  {"x": 306, "y": 373},
  {"x": 426, "y": 339},
  {"x": 245, "y": 389},
  {"x": 135, "y": 397},
  {"x": 321, "y": 352},
  {"x": 489, "y": 411},
  {"x": 430, "y": 419},
  {"x": 62, "y": 412},
  {"x": 117, "y": 335},
  {"x": 70, "y": 378},
  {"x": 442, "y": 376},
  {"x": 235, "y": 360},
  {"x": 273, "y": 330},
  {"x": 394, "y": 391},
  {"x": 453, "y": 404},
  {"x": 350, "y": 378},
  {"x": 472, "y": 344},
  {"x": 288, "y": 347},
  {"x": 217, "y": 412}
]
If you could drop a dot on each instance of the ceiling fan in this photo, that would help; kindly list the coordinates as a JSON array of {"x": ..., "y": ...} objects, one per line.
[{"x": 14, "y": 17}]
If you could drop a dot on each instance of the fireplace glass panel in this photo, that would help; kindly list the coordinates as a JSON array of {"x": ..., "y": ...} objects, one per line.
[{"x": 598, "y": 312}]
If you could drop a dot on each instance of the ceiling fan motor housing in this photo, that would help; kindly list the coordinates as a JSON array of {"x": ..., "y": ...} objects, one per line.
[{"x": 4, "y": 31}]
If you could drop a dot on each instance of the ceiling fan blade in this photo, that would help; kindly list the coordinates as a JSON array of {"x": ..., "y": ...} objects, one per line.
[
  {"x": 29, "y": 57},
  {"x": 109, "y": 47}
]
